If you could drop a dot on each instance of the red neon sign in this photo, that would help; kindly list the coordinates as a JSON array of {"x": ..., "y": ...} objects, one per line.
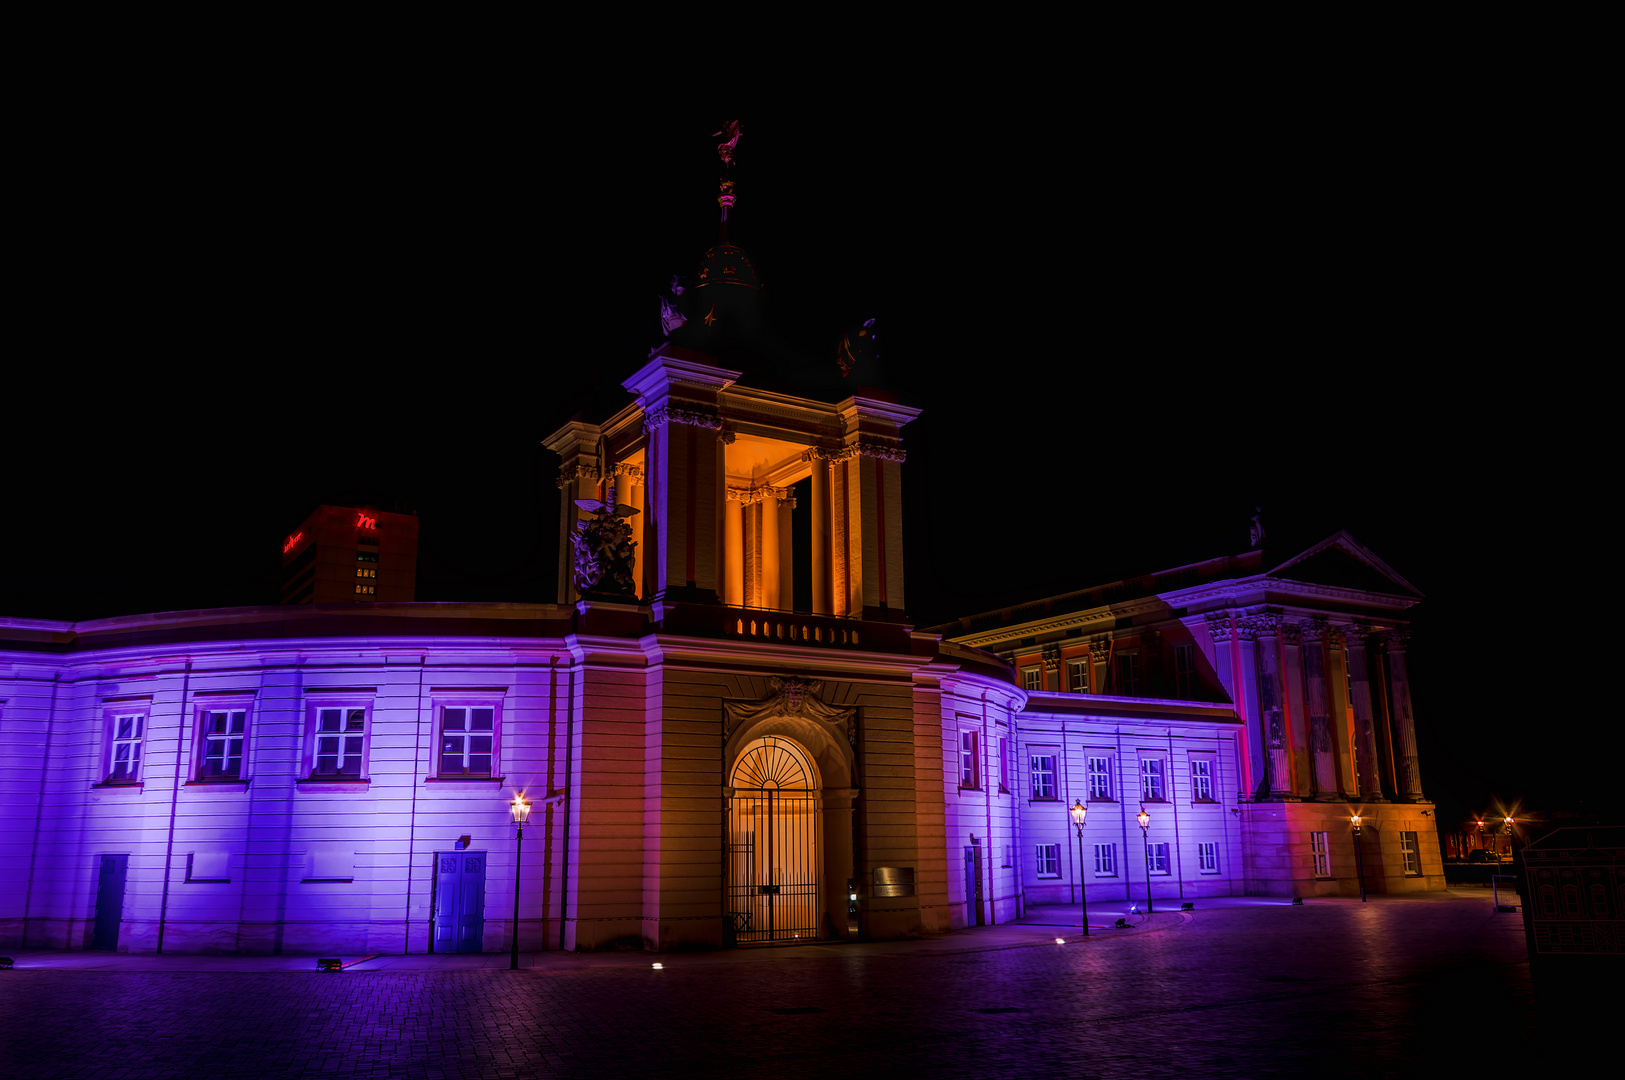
[
  {"x": 364, "y": 522},
  {"x": 291, "y": 541}
]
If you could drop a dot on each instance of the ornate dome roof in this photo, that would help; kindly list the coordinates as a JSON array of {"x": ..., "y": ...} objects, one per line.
[{"x": 726, "y": 264}]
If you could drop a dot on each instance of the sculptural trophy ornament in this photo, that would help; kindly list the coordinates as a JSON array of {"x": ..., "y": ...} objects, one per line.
[
  {"x": 604, "y": 547},
  {"x": 1255, "y": 531}
]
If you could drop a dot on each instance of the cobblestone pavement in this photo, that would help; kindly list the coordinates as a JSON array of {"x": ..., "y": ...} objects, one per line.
[{"x": 1396, "y": 987}]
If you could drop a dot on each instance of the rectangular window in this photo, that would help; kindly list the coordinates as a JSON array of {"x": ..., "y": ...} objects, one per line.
[
  {"x": 1100, "y": 778},
  {"x": 1077, "y": 676},
  {"x": 1151, "y": 789},
  {"x": 124, "y": 756},
  {"x": 1128, "y": 674},
  {"x": 337, "y": 744},
  {"x": 366, "y": 556},
  {"x": 467, "y": 740},
  {"x": 1156, "y": 857},
  {"x": 969, "y": 774},
  {"x": 1201, "y": 779},
  {"x": 1043, "y": 776},
  {"x": 1207, "y": 856},
  {"x": 1322, "y": 853},
  {"x": 1407, "y": 851},
  {"x": 1049, "y": 860},
  {"x": 1004, "y": 768},
  {"x": 1032, "y": 678},
  {"x": 1105, "y": 860},
  {"x": 221, "y": 736},
  {"x": 1185, "y": 670}
]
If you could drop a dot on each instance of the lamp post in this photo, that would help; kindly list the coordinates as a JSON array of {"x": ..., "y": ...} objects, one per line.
[
  {"x": 1145, "y": 836},
  {"x": 1359, "y": 862},
  {"x": 1509, "y": 822},
  {"x": 1078, "y": 811},
  {"x": 520, "y": 808}
]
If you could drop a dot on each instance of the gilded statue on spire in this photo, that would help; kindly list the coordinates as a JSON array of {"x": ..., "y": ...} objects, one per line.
[{"x": 726, "y": 150}]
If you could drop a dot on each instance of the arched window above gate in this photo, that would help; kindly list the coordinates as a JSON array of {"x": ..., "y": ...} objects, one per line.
[{"x": 771, "y": 762}]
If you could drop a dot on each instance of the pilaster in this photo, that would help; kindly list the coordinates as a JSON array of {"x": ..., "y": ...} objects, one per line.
[{"x": 1410, "y": 769}]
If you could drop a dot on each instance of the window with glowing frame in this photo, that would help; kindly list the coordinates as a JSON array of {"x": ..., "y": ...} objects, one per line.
[
  {"x": 222, "y": 739},
  {"x": 126, "y": 730},
  {"x": 1048, "y": 860},
  {"x": 1408, "y": 853},
  {"x": 1043, "y": 769},
  {"x": 339, "y": 734},
  {"x": 970, "y": 774},
  {"x": 1320, "y": 848},
  {"x": 468, "y": 740},
  {"x": 1151, "y": 788},
  {"x": 1201, "y": 779},
  {"x": 1077, "y": 676},
  {"x": 1207, "y": 856},
  {"x": 1032, "y": 678},
  {"x": 1100, "y": 779},
  {"x": 1105, "y": 860},
  {"x": 1156, "y": 859}
]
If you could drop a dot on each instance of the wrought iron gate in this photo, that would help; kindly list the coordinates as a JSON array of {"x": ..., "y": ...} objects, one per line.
[{"x": 773, "y": 847}]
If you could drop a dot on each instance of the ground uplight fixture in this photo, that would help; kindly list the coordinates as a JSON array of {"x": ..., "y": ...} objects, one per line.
[
  {"x": 520, "y": 809},
  {"x": 1079, "y": 812},
  {"x": 659, "y": 967}
]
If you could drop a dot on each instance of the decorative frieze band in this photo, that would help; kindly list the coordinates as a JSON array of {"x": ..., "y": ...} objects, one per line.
[
  {"x": 860, "y": 449},
  {"x": 569, "y": 474},
  {"x": 757, "y": 494},
  {"x": 659, "y": 418}
]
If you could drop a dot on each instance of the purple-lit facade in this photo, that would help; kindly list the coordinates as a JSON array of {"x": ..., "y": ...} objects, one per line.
[
  {"x": 708, "y": 765},
  {"x": 1250, "y": 704}
]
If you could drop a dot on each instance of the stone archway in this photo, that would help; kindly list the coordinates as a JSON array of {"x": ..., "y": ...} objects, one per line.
[
  {"x": 775, "y": 846},
  {"x": 790, "y": 762}
]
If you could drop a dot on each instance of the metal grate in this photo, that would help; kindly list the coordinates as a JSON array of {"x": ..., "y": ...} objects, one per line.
[{"x": 773, "y": 823}]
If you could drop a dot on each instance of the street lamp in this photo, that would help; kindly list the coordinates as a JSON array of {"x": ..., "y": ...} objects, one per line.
[
  {"x": 1359, "y": 863},
  {"x": 1078, "y": 811},
  {"x": 1145, "y": 836},
  {"x": 1512, "y": 837},
  {"x": 520, "y": 808}
]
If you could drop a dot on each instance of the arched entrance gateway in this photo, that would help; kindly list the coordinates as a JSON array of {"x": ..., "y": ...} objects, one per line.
[
  {"x": 774, "y": 844},
  {"x": 788, "y": 857}
]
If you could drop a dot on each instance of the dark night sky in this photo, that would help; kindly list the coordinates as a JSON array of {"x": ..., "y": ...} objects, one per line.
[{"x": 1123, "y": 337}]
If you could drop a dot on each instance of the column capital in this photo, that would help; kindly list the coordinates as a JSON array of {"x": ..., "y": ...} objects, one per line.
[
  {"x": 1218, "y": 626},
  {"x": 571, "y": 473},
  {"x": 757, "y": 494},
  {"x": 1052, "y": 657},
  {"x": 1247, "y": 627},
  {"x": 626, "y": 468},
  {"x": 1354, "y": 635},
  {"x": 1291, "y": 632},
  {"x": 1395, "y": 640},
  {"x": 1266, "y": 623},
  {"x": 1313, "y": 630},
  {"x": 1100, "y": 650}
]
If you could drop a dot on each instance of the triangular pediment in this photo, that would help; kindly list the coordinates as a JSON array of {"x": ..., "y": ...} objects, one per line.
[{"x": 1342, "y": 562}]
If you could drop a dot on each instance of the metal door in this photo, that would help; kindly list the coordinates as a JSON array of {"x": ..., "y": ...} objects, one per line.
[
  {"x": 974, "y": 915},
  {"x": 459, "y": 906},
  {"x": 110, "y": 901},
  {"x": 773, "y": 846}
]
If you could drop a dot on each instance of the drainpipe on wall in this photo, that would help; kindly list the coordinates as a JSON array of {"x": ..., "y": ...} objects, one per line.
[{"x": 174, "y": 798}]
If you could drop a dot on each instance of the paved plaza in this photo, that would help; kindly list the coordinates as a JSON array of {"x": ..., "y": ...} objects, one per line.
[{"x": 1399, "y": 986}]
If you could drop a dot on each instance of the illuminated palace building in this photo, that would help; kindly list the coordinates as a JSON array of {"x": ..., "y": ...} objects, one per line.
[{"x": 726, "y": 729}]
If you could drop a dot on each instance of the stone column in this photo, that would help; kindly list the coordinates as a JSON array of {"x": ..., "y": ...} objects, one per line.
[
  {"x": 733, "y": 589},
  {"x": 1320, "y": 720},
  {"x": 1100, "y": 659},
  {"x": 1271, "y": 705},
  {"x": 634, "y": 498},
  {"x": 768, "y": 540},
  {"x": 1297, "y": 728},
  {"x": 1410, "y": 770},
  {"x": 679, "y": 392},
  {"x": 838, "y": 866},
  {"x": 1222, "y": 634},
  {"x": 821, "y": 603},
  {"x": 1247, "y": 706},
  {"x": 787, "y": 555},
  {"x": 1365, "y": 730}
]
